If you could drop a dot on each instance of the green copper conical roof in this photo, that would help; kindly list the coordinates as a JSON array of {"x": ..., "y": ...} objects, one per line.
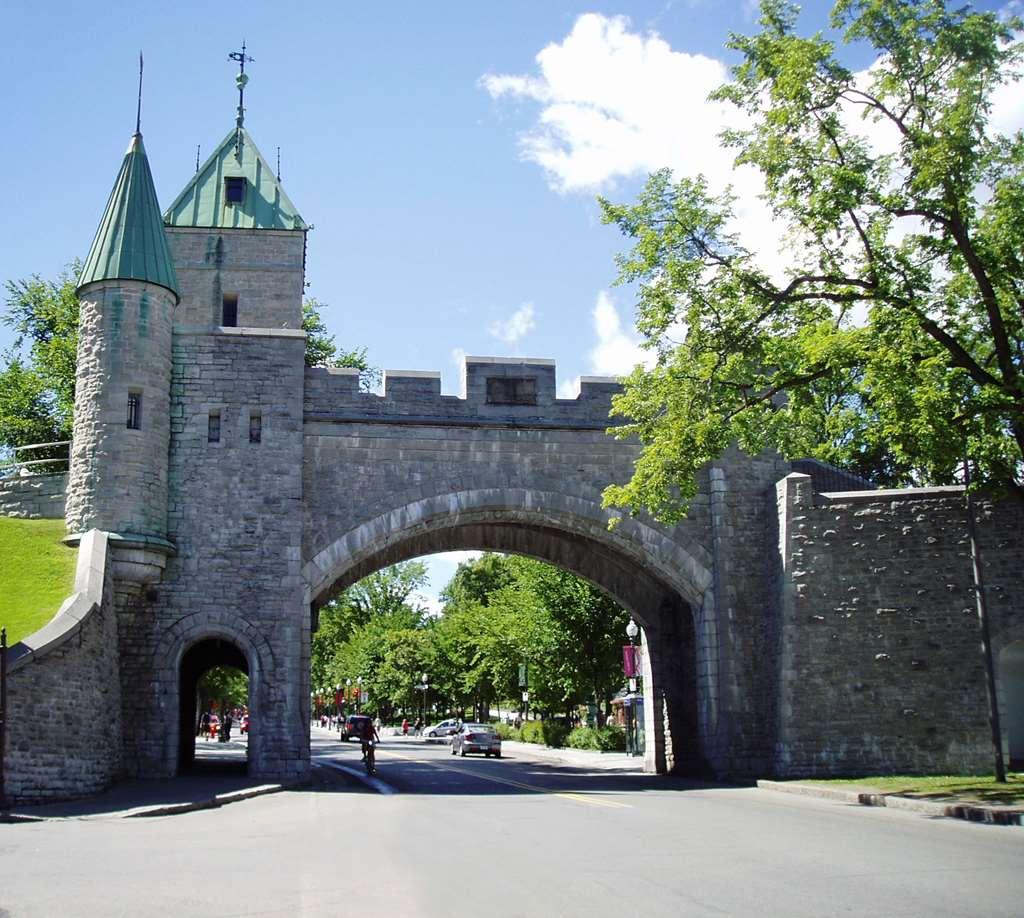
[
  {"x": 130, "y": 243},
  {"x": 262, "y": 205}
]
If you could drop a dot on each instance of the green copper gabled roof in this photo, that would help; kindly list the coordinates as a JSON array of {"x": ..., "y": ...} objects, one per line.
[
  {"x": 130, "y": 242},
  {"x": 265, "y": 206}
]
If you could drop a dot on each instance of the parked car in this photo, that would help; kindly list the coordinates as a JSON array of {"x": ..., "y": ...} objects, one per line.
[
  {"x": 354, "y": 725},
  {"x": 445, "y": 728},
  {"x": 477, "y": 738}
]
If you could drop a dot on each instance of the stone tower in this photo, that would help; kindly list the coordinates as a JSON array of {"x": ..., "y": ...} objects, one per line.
[{"x": 128, "y": 291}]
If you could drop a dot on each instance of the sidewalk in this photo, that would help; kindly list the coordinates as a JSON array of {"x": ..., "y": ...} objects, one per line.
[
  {"x": 219, "y": 779},
  {"x": 592, "y": 760},
  {"x": 993, "y": 814}
]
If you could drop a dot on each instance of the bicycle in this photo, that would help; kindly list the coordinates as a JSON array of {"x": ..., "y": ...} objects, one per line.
[{"x": 369, "y": 759}]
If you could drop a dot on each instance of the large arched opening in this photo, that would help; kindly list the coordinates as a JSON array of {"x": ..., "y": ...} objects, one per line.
[
  {"x": 199, "y": 660},
  {"x": 657, "y": 581}
]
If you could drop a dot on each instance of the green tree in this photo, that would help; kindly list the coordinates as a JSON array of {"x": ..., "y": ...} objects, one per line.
[
  {"x": 896, "y": 342},
  {"x": 321, "y": 351},
  {"x": 223, "y": 685},
  {"x": 37, "y": 381}
]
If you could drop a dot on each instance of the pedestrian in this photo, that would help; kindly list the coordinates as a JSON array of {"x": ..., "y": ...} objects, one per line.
[
  {"x": 377, "y": 724},
  {"x": 405, "y": 726},
  {"x": 204, "y": 724},
  {"x": 418, "y": 727}
]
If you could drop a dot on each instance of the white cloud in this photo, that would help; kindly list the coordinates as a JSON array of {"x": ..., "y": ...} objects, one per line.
[
  {"x": 617, "y": 351},
  {"x": 458, "y": 356},
  {"x": 516, "y": 326},
  {"x": 569, "y": 388},
  {"x": 617, "y": 103}
]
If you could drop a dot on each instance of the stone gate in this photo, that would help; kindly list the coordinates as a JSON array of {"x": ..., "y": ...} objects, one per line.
[{"x": 797, "y": 622}]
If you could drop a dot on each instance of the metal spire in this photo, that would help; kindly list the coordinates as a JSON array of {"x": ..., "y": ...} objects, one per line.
[
  {"x": 240, "y": 80},
  {"x": 138, "y": 110}
]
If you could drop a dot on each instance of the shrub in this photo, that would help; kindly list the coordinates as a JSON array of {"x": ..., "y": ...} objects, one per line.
[
  {"x": 603, "y": 739},
  {"x": 532, "y": 731},
  {"x": 508, "y": 732},
  {"x": 554, "y": 733}
]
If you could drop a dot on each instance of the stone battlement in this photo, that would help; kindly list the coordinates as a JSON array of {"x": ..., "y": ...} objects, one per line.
[{"x": 508, "y": 391}]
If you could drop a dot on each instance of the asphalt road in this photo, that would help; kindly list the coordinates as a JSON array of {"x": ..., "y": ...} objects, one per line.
[{"x": 515, "y": 836}]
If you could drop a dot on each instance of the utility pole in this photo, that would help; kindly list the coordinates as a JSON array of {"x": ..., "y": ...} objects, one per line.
[{"x": 986, "y": 642}]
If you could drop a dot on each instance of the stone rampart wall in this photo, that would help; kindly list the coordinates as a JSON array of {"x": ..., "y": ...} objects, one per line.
[
  {"x": 413, "y": 394},
  {"x": 33, "y": 497},
  {"x": 63, "y": 694},
  {"x": 879, "y": 665}
]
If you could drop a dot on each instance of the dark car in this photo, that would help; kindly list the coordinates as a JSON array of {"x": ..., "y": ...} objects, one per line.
[
  {"x": 477, "y": 738},
  {"x": 354, "y": 726}
]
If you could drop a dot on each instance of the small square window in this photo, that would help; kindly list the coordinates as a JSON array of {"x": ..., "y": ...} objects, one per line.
[
  {"x": 234, "y": 190},
  {"x": 229, "y": 310},
  {"x": 213, "y": 427},
  {"x": 255, "y": 428},
  {"x": 134, "y": 411}
]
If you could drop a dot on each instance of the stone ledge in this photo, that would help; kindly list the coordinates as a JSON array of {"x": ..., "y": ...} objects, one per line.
[
  {"x": 87, "y": 598},
  {"x": 994, "y": 815}
]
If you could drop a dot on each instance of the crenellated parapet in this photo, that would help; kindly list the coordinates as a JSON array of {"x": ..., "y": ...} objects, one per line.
[{"x": 501, "y": 391}]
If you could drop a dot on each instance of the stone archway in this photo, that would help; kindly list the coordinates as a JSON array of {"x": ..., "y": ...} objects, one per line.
[
  {"x": 665, "y": 587},
  {"x": 240, "y": 642},
  {"x": 199, "y": 658}
]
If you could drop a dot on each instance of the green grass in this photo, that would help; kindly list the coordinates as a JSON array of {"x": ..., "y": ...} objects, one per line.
[
  {"x": 37, "y": 573},
  {"x": 941, "y": 788}
]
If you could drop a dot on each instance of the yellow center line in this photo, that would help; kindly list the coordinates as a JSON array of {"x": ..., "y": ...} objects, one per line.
[{"x": 567, "y": 795}]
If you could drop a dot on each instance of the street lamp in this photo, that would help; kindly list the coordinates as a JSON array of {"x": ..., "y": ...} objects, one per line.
[
  {"x": 632, "y": 630},
  {"x": 359, "y": 691},
  {"x": 423, "y": 687}
]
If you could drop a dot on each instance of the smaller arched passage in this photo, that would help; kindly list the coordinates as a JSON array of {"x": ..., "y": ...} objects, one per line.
[
  {"x": 199, "y": 659},
  {"x": 661, "y": 582}
]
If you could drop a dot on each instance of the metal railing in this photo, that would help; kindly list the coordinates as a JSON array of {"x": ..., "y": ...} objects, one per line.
[{"x": 48, "y": 465}]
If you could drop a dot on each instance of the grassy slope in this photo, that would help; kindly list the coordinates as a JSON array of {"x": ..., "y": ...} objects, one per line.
[
  {"x": 37, "y": 574},
  {"x": 967, "y": 788}
]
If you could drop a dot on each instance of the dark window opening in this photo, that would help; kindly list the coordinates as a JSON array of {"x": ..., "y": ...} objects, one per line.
[
  {"x": 213, "y": 427},
  {"x": 234, "y": 190},
  {"x": 511, "y": 390},
  {"x": 255, "y": 428},
  {"x": 134, "y": 411},
  {"x": 229, "y": 310}
]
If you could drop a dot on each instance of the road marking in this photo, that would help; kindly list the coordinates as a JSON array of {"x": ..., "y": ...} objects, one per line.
[
  {"x": 568, "y": 795},
  {"x": 381, "y": 787}
]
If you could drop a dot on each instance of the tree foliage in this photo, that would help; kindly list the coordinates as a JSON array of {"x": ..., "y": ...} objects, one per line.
[
  {"x": 321, "y": 350},
  {"x": 37, "y": 380},
  {"x": 500, "y": 611},
  {"x": 223, "y": 684},
  {"x": 896, "y": 340}
]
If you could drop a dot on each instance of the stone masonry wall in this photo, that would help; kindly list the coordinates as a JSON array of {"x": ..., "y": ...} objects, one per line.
[
  {"x": 64, "y": 726},
  {"x": 33, "y": 497},
  {"x": 235, "y": 519},
  {"x": 118, "y": 476},
  {"x": 264, "y": 268},
  {"x": 392, "y": 467},
  {"x": 880, "y": 669}
]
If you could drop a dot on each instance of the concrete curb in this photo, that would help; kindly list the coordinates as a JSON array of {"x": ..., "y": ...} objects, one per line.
[
  {"x": 208, "y": 803},
  {"x": 160, "y": 809},
  {"x": 971, "y": 812}
]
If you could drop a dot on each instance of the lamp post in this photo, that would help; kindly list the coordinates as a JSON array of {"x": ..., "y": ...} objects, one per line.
[
  {"x": 423, "y": 687},
  {"x": 359, "y": 691},
  {"x": 632, "y": 630}
]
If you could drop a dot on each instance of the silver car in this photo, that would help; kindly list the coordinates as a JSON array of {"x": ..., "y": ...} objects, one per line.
[
  {"x": 477, "y": 738},
  {"x": 445, "y": 728}
]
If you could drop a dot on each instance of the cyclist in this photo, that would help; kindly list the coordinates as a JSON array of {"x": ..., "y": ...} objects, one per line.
[{"x": 368, "y": 735}]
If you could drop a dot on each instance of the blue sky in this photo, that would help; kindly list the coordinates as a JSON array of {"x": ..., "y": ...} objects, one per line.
[{"x": 447, "y": 154}]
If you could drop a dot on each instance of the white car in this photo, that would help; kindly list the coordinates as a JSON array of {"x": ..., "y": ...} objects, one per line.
[{"x": 445, "y": 728}]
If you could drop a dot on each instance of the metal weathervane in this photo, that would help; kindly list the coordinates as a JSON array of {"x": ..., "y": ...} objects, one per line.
[{"x": 240, "y": 82}]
